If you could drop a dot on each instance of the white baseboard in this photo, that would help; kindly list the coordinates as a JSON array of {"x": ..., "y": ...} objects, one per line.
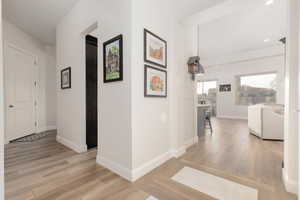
[
  {"x": 46, "y": 128},
  {"x": 231, "y": 117},
  {"x": 41, "y": 129},
  {"x": 191, "y": 142},
  {"x": 178, "y": 152},
  {"x": 71, "y": 145},
  {"x": 290, "y": 185},
  {"x": 151, "y": 165},
  {"x": 134, "y": 175},
  {"x": 137, "y": 173},
  {"x": 50, "y": 128},
  {"x": 156, "y": 162},
  {"x": 115, "y": 167}
]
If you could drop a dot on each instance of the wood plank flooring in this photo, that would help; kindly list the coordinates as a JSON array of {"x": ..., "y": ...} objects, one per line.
[{"x": 46, "y": 170}]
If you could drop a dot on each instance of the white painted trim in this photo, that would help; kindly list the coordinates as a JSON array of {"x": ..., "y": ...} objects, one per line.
[
  {"x": 149, "y": 166},
  {"x": 191, "y": 142},
  {"x": 71, "y": 145},
  {"x": 176, "y": 153},
  {"x": 45, "y": 128},
  {"x": 135, "y": 174},
  {"x": 290, "y": 185},
  {"x": 231, "y": 117},
  {"x": 53, "y": 127},
  {"x": 115, "y": 167},
  {"x": 41, "y": 129}
]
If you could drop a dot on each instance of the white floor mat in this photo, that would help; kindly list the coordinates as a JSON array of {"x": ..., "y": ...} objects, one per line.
[
  {"x": 214, "y": 186},
  {"x": 152, "y": 198}
]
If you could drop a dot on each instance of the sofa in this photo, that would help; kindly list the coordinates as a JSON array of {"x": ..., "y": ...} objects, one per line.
[{"x": 266, "y": 121}]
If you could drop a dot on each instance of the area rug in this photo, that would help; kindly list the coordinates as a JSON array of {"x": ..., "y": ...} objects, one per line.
[
  {"x": 34, "y": 137},
  {"x": 214, "y": 186}
]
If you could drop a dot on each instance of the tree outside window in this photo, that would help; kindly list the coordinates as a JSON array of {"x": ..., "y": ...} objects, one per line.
[{"x": 256, "y": 89}]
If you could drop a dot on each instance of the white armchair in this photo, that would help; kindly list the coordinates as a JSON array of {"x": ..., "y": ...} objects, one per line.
[{"x": 266, "y": 121}]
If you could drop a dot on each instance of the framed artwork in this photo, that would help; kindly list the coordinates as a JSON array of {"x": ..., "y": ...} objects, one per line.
[
  {"x": 225, "y": 88},
  {"x": 66, "y": 78},
  {"x": 155, "y": 82},
  {"x": 113, "y": 60},
  {"x": 155, "y": 49}
]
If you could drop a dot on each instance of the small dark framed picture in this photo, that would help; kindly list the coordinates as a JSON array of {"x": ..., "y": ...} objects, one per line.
[
  {"x": 66, "y": 78},
  {"x": 155, "y": 49},
  {"x": 113, "y": 60},
  {"x": 155, "y": 82},
  {"x": 225, "y": 88}
]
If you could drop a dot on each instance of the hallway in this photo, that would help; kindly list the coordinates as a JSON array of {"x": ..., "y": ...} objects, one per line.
[{"x": 47, "y": 170}]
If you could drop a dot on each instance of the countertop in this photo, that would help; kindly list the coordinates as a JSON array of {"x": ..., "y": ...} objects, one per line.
[{"x": 203, "y": 105}]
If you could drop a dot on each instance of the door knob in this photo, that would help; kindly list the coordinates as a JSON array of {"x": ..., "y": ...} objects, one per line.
[{"x": 11, "y": 106}]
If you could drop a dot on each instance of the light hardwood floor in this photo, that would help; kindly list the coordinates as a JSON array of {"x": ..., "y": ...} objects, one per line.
[{"x": 46, "y": 170}]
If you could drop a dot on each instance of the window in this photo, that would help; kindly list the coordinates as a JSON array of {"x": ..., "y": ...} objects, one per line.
[
  {"x": 256, "y": 89},
  {"x": 205, "y": 87},
  {"x": 207, "y": 93}
]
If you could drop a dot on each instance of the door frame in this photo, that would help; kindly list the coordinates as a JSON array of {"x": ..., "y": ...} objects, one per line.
[
  {"x": 85, "y": 55},
  {"x": 88, "y": 30},
  {"x": 8, "y": 45}
]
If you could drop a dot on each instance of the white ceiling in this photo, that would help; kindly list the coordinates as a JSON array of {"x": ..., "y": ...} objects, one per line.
[
  {"x": 239, "y": 25},
  {"x": 37, "y": 17},
  {"x": 185, "y": 8},
  {"x": 244, "y": 28}
]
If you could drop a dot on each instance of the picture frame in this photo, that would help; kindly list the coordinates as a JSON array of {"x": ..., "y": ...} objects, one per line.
[
  {"x": 113, "y": 60},
  {"x": 155, "y": 49},
  {"x": 156, "y": 82},
  {"x": 66, "y": 78},
  {"x": 225, "y": 88}
]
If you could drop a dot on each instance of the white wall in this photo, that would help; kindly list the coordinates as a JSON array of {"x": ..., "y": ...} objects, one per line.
[
  {"x": 291, "y": 137},
  {"x": 160, "y": 126},
  {"x": 151, "y": 126},
  {"x": 227, "y": 73},
  {"x": 114, "y": 125},
  {"x": 1, "y": 113},
  {"x": 51, "y": 95},
  {"x": 135, "y": 133},
  {"x": 12, "y": 35}
]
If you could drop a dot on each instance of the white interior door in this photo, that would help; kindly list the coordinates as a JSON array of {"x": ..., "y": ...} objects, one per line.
[{"x": 20, "y": 94}]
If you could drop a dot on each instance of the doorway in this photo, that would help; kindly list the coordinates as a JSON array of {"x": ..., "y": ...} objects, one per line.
[
  {"x": 91, "y": 91},
  {"x": 20, "y": 95},
  {"x": 207, "y": 94}
]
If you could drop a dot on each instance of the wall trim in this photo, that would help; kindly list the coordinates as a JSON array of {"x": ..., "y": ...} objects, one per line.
[
  {"x": 290, "y": 185},
  {"x": 176, "y": 153},
  {"x": 45, "y": 128},
  {"x": 137, "y": 173},
  {"x": 191, "y": 142},
  {"x": 115, "y": 167},
  {"x": 158, "y": 161},
  {"x": 50, "y": 128},
  {"x": 231, "y": 117},
  {"x": 151, "y": 165},
  {"x": 71, "y": 145}
]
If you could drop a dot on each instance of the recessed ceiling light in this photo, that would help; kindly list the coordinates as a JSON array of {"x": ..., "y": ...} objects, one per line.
[
  {"x": 269, "y": 2},
  {"x": 267, "y": 40}
]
